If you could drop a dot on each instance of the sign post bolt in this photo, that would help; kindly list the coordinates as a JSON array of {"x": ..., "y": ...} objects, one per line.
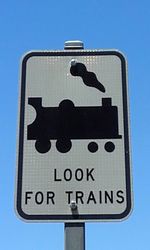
[{"x": 73, "y": 205}]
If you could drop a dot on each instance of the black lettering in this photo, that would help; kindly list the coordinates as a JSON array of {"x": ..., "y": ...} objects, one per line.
[
  {"x": 67, "y": 174},
  {"x": 91, "y": 198},
  {"x": 50, "y": 196},
  {"x": 120, "y": 196},
  {"x": 100, "y": 197},
  {"x": 69, "y": 196},
  {"x": 39, "y": 197},
  {"x": 55, "y": 175},
  {"x": 79, "y": 196},
  {"x": 108, "y": 197},
  {"x": 27, "y": 197},
  {"x": 89, "y": 174},
  {"x": 79, "y": 174}
]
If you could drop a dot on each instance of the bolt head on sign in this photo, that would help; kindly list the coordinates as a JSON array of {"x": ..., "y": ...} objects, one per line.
[{"x": 73, "y": 150}]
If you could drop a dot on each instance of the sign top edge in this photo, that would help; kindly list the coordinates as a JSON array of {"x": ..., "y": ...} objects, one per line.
[{"x": 96, "y": 52}]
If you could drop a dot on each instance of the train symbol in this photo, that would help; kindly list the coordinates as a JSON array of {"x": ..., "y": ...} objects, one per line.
[{"x": 68, "y": 122}]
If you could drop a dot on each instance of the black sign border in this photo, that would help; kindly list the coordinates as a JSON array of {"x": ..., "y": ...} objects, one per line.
[{"x": 83, "y": 217}]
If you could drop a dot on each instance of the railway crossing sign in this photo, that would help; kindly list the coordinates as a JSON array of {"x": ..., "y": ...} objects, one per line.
[{"x": 73, "y": 149}]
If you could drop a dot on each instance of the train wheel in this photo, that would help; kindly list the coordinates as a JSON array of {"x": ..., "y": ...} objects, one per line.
[
  {"x": 63, "y": 145},
  {"x": 93, "y": 147},
  {"x": 109, "y": 146},
  {"x": 42, "y": 146}
]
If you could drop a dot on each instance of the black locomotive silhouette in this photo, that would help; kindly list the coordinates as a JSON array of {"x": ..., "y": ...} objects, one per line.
[{"x": 69, "y": 122}]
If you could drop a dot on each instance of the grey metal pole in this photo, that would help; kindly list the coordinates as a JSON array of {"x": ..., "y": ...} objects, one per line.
[
  {"x": 74, "y": 232},
  {"x": 74, "y": 236},
  {"x": 74, "y": 45}
]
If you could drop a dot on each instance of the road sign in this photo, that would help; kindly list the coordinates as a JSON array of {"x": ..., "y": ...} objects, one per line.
[{"x": 73, "y": 153}]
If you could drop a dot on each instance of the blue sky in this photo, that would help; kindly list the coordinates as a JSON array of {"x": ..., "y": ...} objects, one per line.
[{"x": 101, "y": 24}]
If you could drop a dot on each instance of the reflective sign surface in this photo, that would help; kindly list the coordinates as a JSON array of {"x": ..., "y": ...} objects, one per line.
[{"x": 73, "y": 155}]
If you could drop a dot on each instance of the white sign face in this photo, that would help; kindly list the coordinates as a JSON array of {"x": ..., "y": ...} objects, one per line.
[{"x": 73, "y": 156}]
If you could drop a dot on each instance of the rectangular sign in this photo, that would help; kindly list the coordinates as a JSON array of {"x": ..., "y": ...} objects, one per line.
[{"x": 73, "y": 153}]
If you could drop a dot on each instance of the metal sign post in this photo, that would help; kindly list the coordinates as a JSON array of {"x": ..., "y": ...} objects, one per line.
[
  {"x": 74, "y": 232},
  {"x": 74, "y": 236}
]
